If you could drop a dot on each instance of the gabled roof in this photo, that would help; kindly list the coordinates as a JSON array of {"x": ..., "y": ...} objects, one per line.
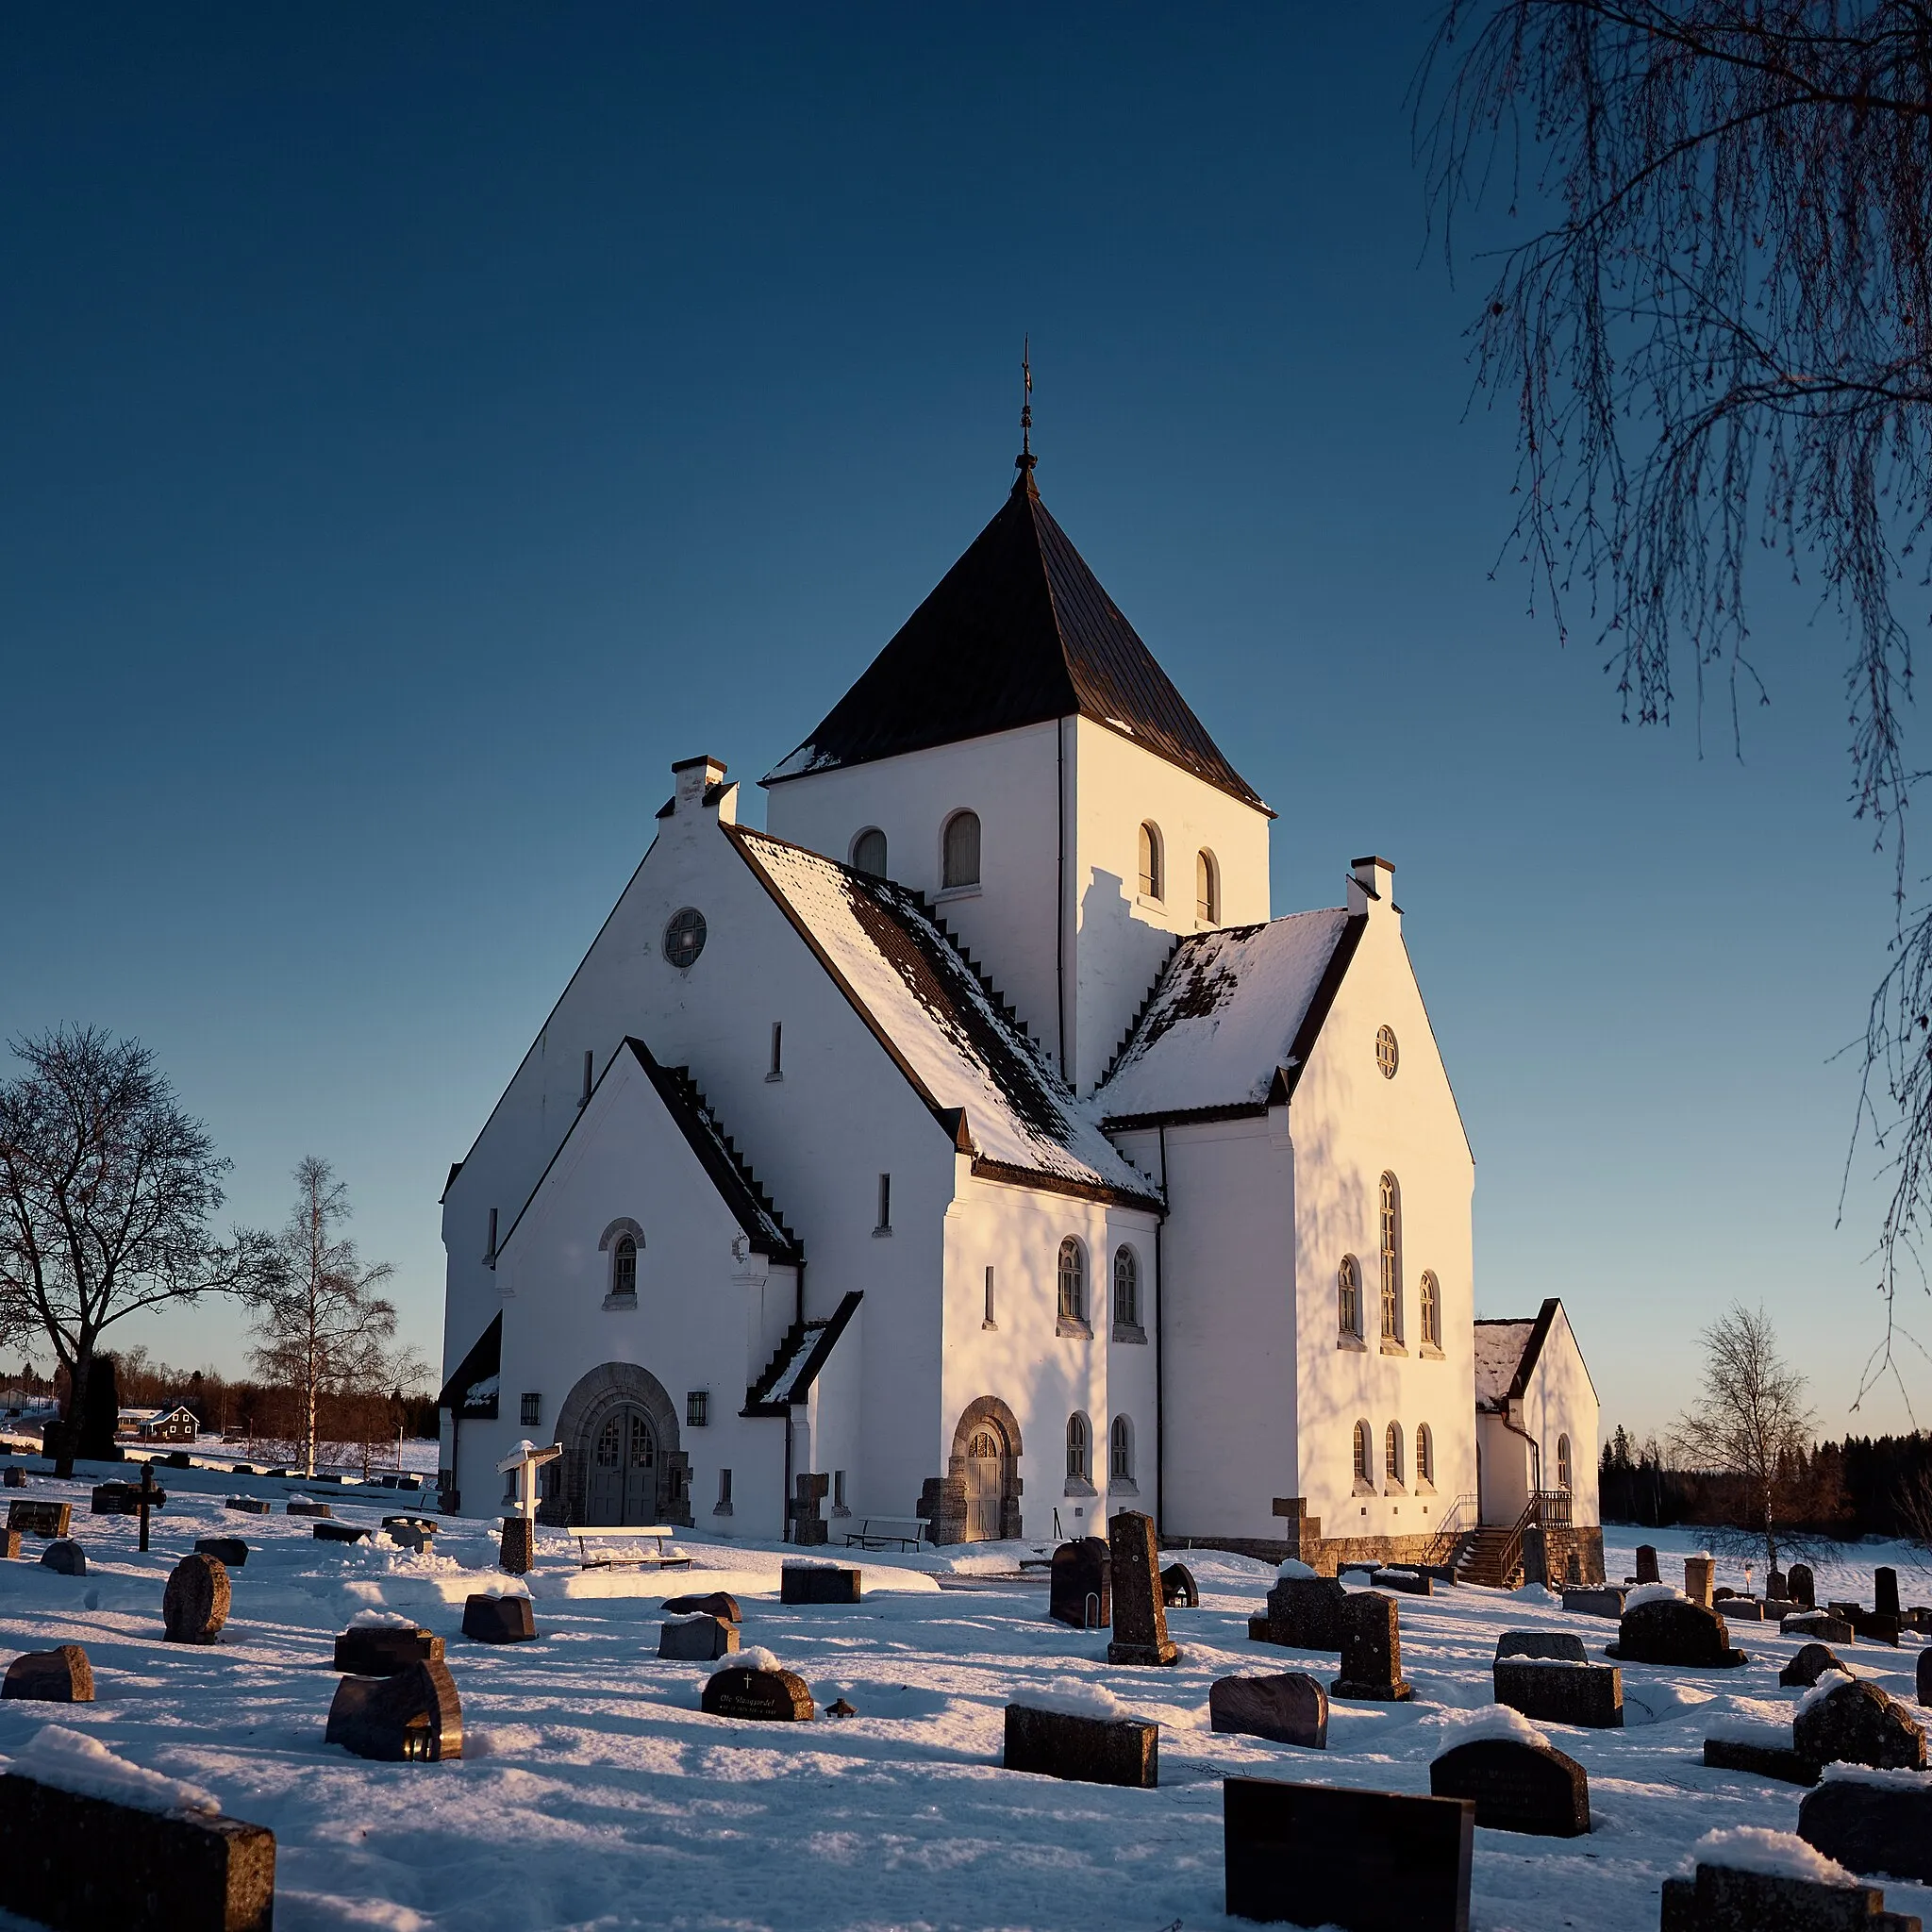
[
  {"x": 1236, "y": 1011},
  {"x": 960, "y": 1049},
  {"x": 1019, "y": 631},
  {"x": 477, "y": 1375},
  {"x": 1508, "y": 1351},
  {"x": 799, "y": 1359}
]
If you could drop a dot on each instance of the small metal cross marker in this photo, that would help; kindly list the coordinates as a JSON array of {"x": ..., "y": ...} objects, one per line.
[
  {"x": 147, "y": 1492},
  {"x": 525, "y": 1459}
]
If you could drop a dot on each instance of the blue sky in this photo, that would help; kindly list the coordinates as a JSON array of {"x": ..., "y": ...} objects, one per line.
[{"x": 422, "y": 427}]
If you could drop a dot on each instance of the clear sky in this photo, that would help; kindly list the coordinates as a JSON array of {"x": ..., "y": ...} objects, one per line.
[{"x": 423, "y": 425}]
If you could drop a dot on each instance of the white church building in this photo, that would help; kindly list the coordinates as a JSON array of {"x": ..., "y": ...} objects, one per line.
[{"x": 973, "y": 1141}]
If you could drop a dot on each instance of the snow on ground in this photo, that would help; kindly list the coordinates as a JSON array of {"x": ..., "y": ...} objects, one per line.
[{"x": 594, "y": 1793}]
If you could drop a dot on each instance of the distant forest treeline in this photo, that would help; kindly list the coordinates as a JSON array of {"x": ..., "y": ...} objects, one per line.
[{"x": 1863, "y": 1486}]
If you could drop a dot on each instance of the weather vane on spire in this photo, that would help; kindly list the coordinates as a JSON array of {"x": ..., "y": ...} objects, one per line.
[{"x": 1024, "y": 461}]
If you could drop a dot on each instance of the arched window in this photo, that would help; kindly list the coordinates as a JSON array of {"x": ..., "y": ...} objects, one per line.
[
  {"x": 623, "y": 1266},
  {"x": 869, "y": 851},
  {"x": 1562, "y": 1462},
  {"x": 1207, "y": 889},
  {"x": 1391, "y": 1259},
  {"x": 1076, "y": 1448},
  {"x": 1121, "y": 1465},
  {"x": 1151, "y": 868},
  {"x": 1348, "y": 1296},
  {"x": 1430, "y": 1296},
  {"x": 1072, "y": 1281},
  {"x": 1392, "y": 1453},
  {"x": 1425, "y": 1453},
  {"x": 1361, "y": 1452},
  {"x": 1126, "y": 1288},
  {"x": 962, "y": 856}
]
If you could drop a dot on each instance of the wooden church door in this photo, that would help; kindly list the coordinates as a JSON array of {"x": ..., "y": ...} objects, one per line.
[
  {"x": 986, "y": 1465},
  {"x": 624, "y": 1470}
]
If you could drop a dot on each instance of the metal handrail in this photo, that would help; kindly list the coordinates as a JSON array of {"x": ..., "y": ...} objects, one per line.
[{"x": 1449, "y": 1531}]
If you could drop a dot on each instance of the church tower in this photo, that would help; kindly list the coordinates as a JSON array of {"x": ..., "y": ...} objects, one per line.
[{"x": 1016, "y": 753}]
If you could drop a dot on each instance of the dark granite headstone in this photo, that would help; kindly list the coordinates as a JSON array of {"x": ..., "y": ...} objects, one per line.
[
  {"x": 1802, "y": 1588},
  {"x": 116, "y": 1499},
  {"x": 13, "y": 1478},
  {"x": 249, "y": 1506},
  {"x": 1090, "y": 1750},
  {"x": 808, "y": 1526},
  {"x": 66, "y": 1556},
  {"x": 499, "y": 1619},
  {"x": 1290, "y": 1708},
  {"x": 1819, "y": 1623},
  {"x": 1767, "y": 1757},
  {"x": 760, "y": 1696},
  {"x": 1552, "y": 1692},
  {"x": 414, "y": 1717},
  {"x": 1871, "y": 1627},
  {"x": 698, "y": 1640},
  {"x": 1368, "y": 1861},
  {"x": 1858, "y": 1723},
  {"x": 1516, "y": 1786},
  {"x": 228, "y": 1550},
  {"x": 1809, "y": 1665},
  {"x": 415, "y": 1533},
  {"x": 1885, "y": 1591},
  {"x": 195, "y": 1605},
  {"x": 1669, "y": 1630},
  {"x": 83, "y": 1864},
  {"x": 36, "y": 1518},
  {"x": 516, "y": 1548},
  {"x": 1727, "y": 1898},
  {"x": 1600, "y": 1601},
  {"x": 817, "y": 1583},
  {"x": 1306, "y": 1613},
  {"x": 1140, "y": 1615},
  {"x": 1564, "y": 1645},
  {"x": 1370, "y": 1652},
  {"x": 339, "y": 1532},
  {"x": 1178, "y": 1590},
  {"x": 1408, "y": 1582},
  {"x": 1698, "y": 1571},
  {"x": 51, "y": 1676},
  {"x": 303, "y": 1505},
  {"x": 1079, "y": 1585},
  {"x": 1646, "y": 1564},
  {"x": 1777, "y": 1587},
  {"x": 716, "y": 1603},
  {"x": 384, "y": 1649},
  {"x": 1871, "y": 1828},
  {"x": 1925, "y": 1676}
]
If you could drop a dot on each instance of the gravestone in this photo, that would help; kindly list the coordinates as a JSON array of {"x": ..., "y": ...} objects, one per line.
[
  {"x": 1819, "y": 1623},
  {"x": 249, "y": 1506},
  {"x": 1409, "y": 1582},
  {"x": 516, "y": 1548},
  {"x": 1088, "y": 1750},
  {"x": 1565, "y": 1646},
  {"x": 123, "y": 1499},
  {"x": 51, "y": 1676},
  {"x": 415, "y": 1533},
  {"x": 699, "y": 1639},
  {"x": 1600, "y": 1601},
  {"x": 1516, "y": 1786},
  {"x": 817, "y": 1583},
  {"x": 1728, "y": 1898},
  {"x": 230, "y": 1551},
  {"x": 1767, "y": 1754},
  {"x": 1858, "y": 1723},
  {"x": 195, "y": 1605},
  {"x": 1870, "y": 1626},
  {"x": 34, "y": 1518},
  {"x": 758, "y": 1696},
  {"x": 1802, "y": 1588},
  {"x": 499, "y": 1619},
  {"x": 1872, "y": 1828},
  {"x": 1777, "y": 1587},
  {"x": 1809, "y": 1665},
  {"x": 384, "y": 1649},
  {"x": 1140, "y": 1615},
  {"x": 1885, "y": 1591},
  {"x": 1698, "y": 1571},
  {"x": 1178, "y": 1590},
  {"x": 305, "y": 1505},
  {"x": 808, "y": 1527},
  {"x": 1667, "y": 1630},
  {"x": 1646, "y": 1564},
  {"x": 1079, "y": 1587},
  {"x": 79, "y": 1863},
  {"x": 1368, "y": 1861},
  {"x": 1925, "y": 1676},
  {"x": 13, "y": 1478},
  {"x": 1306, "y": 1613},
  {"x": 1553, "y": 1692},
  {"x": 1290, "y": 1708},
  {"x": 339, "y": 1532},
  {"x": 414, "y": 1717},
  {"x": 10, "y": 1543},
  {"x": 716, "y": 1603},
  {"x": 1371, "y": 1651},
  {"x": 65, "y": 1557}
]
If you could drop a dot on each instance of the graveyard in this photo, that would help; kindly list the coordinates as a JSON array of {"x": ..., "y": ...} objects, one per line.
[{"x": 599, "y": 1784}]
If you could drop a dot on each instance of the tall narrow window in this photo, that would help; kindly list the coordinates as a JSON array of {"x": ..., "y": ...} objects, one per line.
[
  {"x": 1392, "y": 1453},
  {"x": 837, "y": 1489},
  {"x": 776, "y": 1070},
  {"x": 1361, "y": 1452},
  {"x": 1073, "y": 1272},
  {"x": 623, "y": 1266},
  {"x": 697, "y": 1408},
  {"x": 884, "y": 1224},
  {"x": 1151, "y": 887},
  {"x": 1348, "y": 1296},
  {"x": 869, "y": 851},
  {"x": 1122, "y": 1466},
  {"x": 1562, "y": 1462},
  {"x": 1425, "y": 1453},
  {"x": 961, "y": 854},
  {"x": 1429, "y": 1296},
  {"x": 723, "y": 1492},
  {"x": 590, "y": 1063},
  {"x": 1076, "y": 1449},
  {"x": 1207, "y": 889},
  {"x": 1126, "y": 1288},
  {"x": 490, "y": 1256},
  {"x": 987, "y": 1321},
  {"x": 1391, "y": 1259}
]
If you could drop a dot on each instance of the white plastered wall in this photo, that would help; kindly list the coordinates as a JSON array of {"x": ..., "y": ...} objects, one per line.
[{"x": 1561, "y": 1401}]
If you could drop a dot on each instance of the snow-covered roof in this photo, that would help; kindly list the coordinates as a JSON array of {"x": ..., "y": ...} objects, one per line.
[
  {"x": 1499, "y": 1347},
  {"x": 956, "y": 1044},
  {"x": 1232, "y": 1007}
]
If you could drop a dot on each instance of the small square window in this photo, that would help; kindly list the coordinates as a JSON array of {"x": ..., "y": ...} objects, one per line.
[
  {"x": 532, "y": 1411},
  {"x": 697, "y": 1408}
]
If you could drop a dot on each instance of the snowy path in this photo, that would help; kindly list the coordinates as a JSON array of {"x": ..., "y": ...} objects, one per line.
[{"x": 593, "y": 1793}]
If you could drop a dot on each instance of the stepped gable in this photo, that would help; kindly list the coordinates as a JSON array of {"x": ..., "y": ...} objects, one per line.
[
  {"x": 954, "y": 1041},
  {"x": 1019, "y": 631},
  {"x": 1233, "y": 1009},
  {"x": 797, "y": 1360}
]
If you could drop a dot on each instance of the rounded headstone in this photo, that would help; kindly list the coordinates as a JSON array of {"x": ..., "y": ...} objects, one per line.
[
  {"x": 414, "y": 1717},
  {"x": 717, "y": 1603},
  {"x": 1178, "y": 1589},
  {"x": 65, "y": 1556},
  {"x": 197, "y": 1602},
  {"x": 1288, "y": 1709},
  {"x": 1925, "y": 1676},
  {"x": 230, "y": 1550},
  {"x": 499, "y": 1619},
  {"x": 1809, "y": 1665},
  {"x": 1516, "y": 1786},
  {"x": 15, "y": 1477},
  {"x": 1080, "y": 1584},
  {"x": 766, "y": 1696},
  {"x": 51, "y": 1676},
  {"x": 1667, "y": 1630},
  {"x": 1858, "y": 1723},
  {"x": 1564, "y": 1645}
]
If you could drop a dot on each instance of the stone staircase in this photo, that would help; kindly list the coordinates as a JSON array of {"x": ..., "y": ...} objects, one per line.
[{"x": 1491, "y": 1557}]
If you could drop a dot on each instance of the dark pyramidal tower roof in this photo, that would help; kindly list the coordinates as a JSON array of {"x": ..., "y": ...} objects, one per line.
[{"x": 1019, "y": 631}]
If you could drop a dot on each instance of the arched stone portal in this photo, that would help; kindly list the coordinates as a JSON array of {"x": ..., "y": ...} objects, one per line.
[
  {"x": 621, "y": 1460},
  {"x": 986, "y": 1460}
]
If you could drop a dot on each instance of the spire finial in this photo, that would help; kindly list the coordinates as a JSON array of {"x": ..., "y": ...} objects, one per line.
[{"x": 1024, "y": 461}]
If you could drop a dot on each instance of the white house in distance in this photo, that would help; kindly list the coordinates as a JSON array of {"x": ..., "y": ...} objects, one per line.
[{"x": 973, "y": 1140}]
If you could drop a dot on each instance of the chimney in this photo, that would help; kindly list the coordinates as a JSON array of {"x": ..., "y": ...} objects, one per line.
[
  {"x": 699, "y": 782},
  {"x": 1372, "y": 881}
]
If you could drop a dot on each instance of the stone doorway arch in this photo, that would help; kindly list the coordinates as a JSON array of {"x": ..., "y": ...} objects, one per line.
[
  {"x": 985, "y": 1461},
  {"x": 624, "y": 1412}
]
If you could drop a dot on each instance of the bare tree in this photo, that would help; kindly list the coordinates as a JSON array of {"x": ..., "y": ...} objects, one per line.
[
  {"x": 1717, "y": 336},
  {"x": 320, "y": 1331},
  {"x": 1749, "y": 1420},
  {"x": 106, "y": 1190}
]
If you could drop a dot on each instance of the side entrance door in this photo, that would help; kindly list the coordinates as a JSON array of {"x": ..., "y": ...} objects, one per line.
[
  {"x": 986, "y": 1466},
  {"x": 624, "y": 1469}
]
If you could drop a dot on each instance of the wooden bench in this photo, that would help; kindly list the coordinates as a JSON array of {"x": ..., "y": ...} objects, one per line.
[
  {"x": 602, "y": 1560},
  {"x": 876, "y": 1532}
]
